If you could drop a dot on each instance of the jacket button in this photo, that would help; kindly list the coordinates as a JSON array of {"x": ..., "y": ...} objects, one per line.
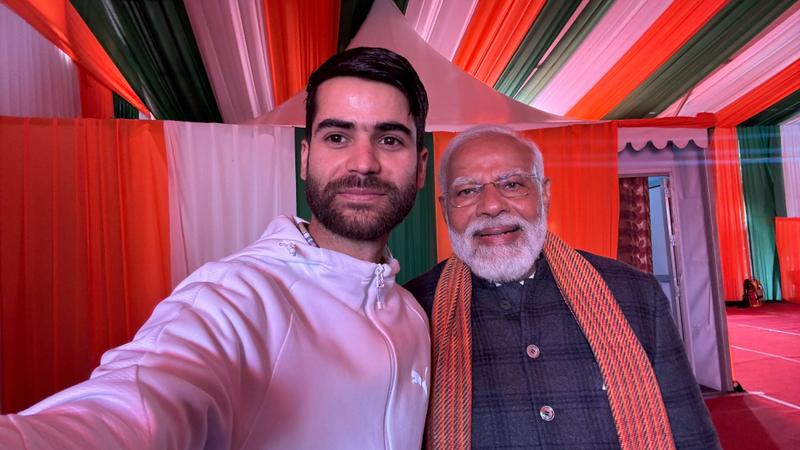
[
  {"x": 532, "y": 351},
  {"x": 505, "y": 304},
  {"x": 547, "y": 413}
]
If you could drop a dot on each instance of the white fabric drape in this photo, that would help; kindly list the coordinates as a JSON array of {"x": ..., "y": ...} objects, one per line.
[
  {"x": 232, "y": 40},
  {"x": 36, "y": 78},
  {"x": 226, "y": 183},
  {"x": 758, "y": 63},
  {"x": 790, "y": 156},
  {"x": 441, "y": 23},
  {"x": 611, "y": 38}
]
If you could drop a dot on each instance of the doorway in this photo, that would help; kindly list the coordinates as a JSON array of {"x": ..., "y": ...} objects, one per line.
[{"x": 647, "y": 238}]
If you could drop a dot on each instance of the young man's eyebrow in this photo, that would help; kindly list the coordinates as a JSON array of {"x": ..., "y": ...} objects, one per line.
[
  {"x": 335, "y": 123},
  {"x": 393, "y": 126}
]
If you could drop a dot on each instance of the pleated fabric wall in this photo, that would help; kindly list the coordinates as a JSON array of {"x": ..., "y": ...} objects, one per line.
[
  {"x": 787, "y": 238},
  {"x": 734, "y": 249},
  {"x": 84, "y": 246},
  {"x": 101, "y": 218},
  {"x": 790, "y": 159},
  {"x": 226, "y": 183}
]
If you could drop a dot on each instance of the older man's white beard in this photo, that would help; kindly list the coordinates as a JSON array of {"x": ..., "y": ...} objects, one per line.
[{"x": 501, "y": 263}]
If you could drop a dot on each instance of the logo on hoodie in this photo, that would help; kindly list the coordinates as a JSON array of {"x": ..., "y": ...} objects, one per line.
[{"x": 420, "y": 380}]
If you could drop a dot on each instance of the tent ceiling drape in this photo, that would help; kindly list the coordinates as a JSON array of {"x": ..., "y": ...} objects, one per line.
[{"x": 456, "y": 99}]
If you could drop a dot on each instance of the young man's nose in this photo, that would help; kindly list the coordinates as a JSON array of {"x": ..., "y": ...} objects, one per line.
[{"x": 363, "y": 158}]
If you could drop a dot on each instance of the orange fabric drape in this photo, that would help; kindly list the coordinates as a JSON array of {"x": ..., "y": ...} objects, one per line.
[
  {"x": 443, "y": 248},
  {"x": 676, "y": 25},
  {"x": 301, "y": 35},
  {"x": 493, "y": 35},
  {"x": 787, "y": 239},
  {"x": 581, "y": 162},
  {"x": 60, "y": 23},
  {"x": 97, "y": 101},
  {"x": 84, "y": 246},
  {"x": 762, "y": 97},
  {"x": 734, "y": 249}
]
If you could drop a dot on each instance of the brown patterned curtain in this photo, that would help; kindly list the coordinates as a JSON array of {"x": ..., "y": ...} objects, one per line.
[{"x": 635, "y": 246}]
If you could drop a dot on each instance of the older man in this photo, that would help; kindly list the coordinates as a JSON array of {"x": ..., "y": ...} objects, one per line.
[
  {"x": 300, "y": 341},
  {"x": 536, "y": 345}
]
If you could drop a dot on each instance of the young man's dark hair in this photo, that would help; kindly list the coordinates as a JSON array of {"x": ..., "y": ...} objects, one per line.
[{"x": 376, "y": 64}]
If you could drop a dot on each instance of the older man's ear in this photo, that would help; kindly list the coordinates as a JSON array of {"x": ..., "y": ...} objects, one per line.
[{"x": 546, "y": 193}]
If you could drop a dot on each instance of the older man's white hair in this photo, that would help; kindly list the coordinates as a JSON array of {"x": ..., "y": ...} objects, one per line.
[{"x": 478, "y": 131}]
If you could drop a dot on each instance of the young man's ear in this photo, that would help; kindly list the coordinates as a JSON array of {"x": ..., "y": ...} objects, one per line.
[
  {"x": 303, "y": 159},
  {"x": 422, "y": 164}
]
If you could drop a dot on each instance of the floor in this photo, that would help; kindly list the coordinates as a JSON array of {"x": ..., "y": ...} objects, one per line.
[{"x": 765, "y": 348}]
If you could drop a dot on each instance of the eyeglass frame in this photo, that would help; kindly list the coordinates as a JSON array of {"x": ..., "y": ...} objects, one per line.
[{"x": 482, "y": 187}]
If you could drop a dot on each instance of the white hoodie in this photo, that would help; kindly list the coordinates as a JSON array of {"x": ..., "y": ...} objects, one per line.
[{"x": 283, "y": 346}]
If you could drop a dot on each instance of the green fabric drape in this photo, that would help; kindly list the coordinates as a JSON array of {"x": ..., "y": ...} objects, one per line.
[
  {"x": 352, "y": 14},
  {"x": 413, "y": 242},
  {"x": 725, "y": 34},
  {"x": 527, "y": 90},
  {"x": 123, "y": 109},
  {"x": 545, "y": 29},
  {"x": 153, "y": 45},
  {"x": 778, "y": 112},
  {"x": 762, "y": 184}
]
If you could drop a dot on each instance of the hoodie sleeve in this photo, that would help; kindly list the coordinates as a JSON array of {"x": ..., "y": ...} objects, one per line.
[{"x": 191, "y": 378}]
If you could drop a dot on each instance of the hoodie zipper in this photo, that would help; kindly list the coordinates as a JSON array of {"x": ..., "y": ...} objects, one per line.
[{"x": 379, "y": 284}]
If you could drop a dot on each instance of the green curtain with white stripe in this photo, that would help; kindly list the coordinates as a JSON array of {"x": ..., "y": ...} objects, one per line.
[
  {"x": 153, "y": 46},
  {"x": 762, "y": 183}
]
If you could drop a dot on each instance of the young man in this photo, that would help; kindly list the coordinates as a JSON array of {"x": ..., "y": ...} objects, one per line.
[
  {"x": 534, "y": 344},
  {"x": 301, "y": 340}
]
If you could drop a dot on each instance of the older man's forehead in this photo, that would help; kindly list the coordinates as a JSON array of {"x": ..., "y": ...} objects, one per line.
[{"x": 485, "y": 176}]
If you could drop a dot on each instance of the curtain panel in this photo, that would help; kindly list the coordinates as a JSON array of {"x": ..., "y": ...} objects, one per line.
[
  {"x": 635, "y": 245},
  {"x": 300, "y": 37},
  {"x": 226, "y": 183},
  {"x": 734, "y": 248},
  {"x": 58, "y": 21},
  {"x": 581, "y": 162},
  {"x": 787, "y": 239},
  {"x": 36, "y": 78},
  {"x": 97, "y": 101},
  {"x": 790, "y": 157},
  {"x": 84, "y": 246},
  {"x": 762, "y": 184},
  {"x": 232, "y": 39}
]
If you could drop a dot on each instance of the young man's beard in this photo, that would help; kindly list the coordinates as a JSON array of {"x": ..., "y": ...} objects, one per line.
[{"x": 360, "y": 222}]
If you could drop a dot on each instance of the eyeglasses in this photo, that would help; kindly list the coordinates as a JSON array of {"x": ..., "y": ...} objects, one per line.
[{"x": 512, "y": 186}]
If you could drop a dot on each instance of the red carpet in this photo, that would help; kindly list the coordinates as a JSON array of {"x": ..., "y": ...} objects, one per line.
[{"x": 765, "y": 348}]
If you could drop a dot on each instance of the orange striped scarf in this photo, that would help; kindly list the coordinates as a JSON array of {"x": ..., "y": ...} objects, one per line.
[{"x": 633, "y": 393}]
